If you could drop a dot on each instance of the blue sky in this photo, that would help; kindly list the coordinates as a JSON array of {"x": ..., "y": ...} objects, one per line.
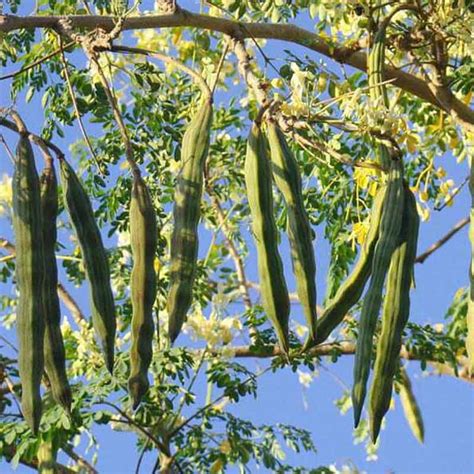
[{"x": 447, "y": 404}]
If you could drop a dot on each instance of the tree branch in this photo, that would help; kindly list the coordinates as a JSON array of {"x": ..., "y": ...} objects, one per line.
[
  {"x": 80, "y": 461},
  {"x": 285, "y": 32},
  {"x": 10, "y": 451},
  {"x": 342, "y": 348},
  {"x": 422, "y": 257},
  {"x": 443, "y": 99},
  {"x": 33, "y": 137}
]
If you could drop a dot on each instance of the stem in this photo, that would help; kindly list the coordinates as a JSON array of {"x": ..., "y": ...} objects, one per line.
[
  {"x": 76, "y": 108},
  {"x": 166, "y": 59}
]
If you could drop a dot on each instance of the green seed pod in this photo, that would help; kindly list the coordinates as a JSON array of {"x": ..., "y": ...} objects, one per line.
[
  {"x": 395, "y": 314},
  {"x": 390, "y": 224},
  {"x": 410, "y": 406},
  {"x": 186, "y": 212},
  {"x": 95, "y": 260},
  {"x": 54, "y": 356},
  {"x": 258, "y": 181},
  {"x": 27, "y": 225},
  {"x": 143, "y": 239},
  {"x": 351, "y": 290},
  {"x": 378, "y": 91},
  {"x": 288, "y": 180}
]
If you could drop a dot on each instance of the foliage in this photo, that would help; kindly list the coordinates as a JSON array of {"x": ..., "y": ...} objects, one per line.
[{"x": 203, "y": 431}]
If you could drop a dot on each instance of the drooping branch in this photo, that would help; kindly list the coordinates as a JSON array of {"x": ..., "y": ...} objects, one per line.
[
  {"x": 441, "y": 97},
  {"x": 33, "y": 137}
]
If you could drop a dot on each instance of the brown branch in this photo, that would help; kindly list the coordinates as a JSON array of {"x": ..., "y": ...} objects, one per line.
[
  {"x": 10, "y": 451},
  {"x": 140, "y": 428},
  {"x": 36, "y": 63},
  {"x": 116, "y": 113},
  {"x": 65, "y": 296},
  {"x": 71, "y": 304},
  {"x": 76, "y": 107},
  {"x": 33, "y": 137},
  {"x": 422, "y": 257},
  {"x": 167, "y": 59},
  {"x": 82, "y": 463},
  {"x": 342, "y": 348},
  {"x": 443, "y": 99}
]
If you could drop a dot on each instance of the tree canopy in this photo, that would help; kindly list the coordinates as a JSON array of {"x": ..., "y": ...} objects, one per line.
[{"x": 112, "y": 87}]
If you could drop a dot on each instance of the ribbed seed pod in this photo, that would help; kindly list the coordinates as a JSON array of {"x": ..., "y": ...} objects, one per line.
[
  {"x": 95, "y": 260},
  {"x": 258, "y": 181},
  {"x": 378, "y": 91},
  {"x": 186, "y": 213},
  {"x": 410, "y": 406},
  {"x": 288, "y": 180},
  {"x": 143, "y": 239},
  {"x": 395, "y": 314},
  {"x": 27, "y": 227},
  {"x": 350, "y": 291},
  {"x": 54, "y": 356},
  {"x": 390, "y": 224}
]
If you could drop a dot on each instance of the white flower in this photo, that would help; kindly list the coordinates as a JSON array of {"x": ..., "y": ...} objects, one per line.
[{"x": 304, "y": 378}]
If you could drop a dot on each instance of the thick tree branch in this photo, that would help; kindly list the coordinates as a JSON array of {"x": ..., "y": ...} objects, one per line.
[
  {"x": 342, "y": 348},
  {"x": 443, "y": 99},
  {"x": 10, "y": 451}
]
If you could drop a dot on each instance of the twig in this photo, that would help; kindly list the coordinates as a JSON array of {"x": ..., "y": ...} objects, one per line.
[
  {"x": 244, "y": 65},
  {"x": 167, "y": 59},
  {"x": 239, "y": 265},
  {"x": 219, "y": 67},
  {"x": 209, "y": 405},
  {"x": 76, "y": 108},
  {"x": 7, "y": 148},
  {"x": 116, "y": 112},
  {"x": 145, "y": 432},
  {"x": 142, "y": 454},
  {"x": 453, "y": 195},
  {"x": 422, "y": 257},
  {"x": 36, "y": 63},
  {"x": 82, "y": 463},
  {"x": 33, "y": 137}
]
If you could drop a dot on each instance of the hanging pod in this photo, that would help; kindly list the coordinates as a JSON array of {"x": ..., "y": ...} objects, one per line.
[
  {"x": 288, "y": 180},
  {"x": 95, "y": 260},
  {"x": 54, "y": 354},
  {"x": 186, "y": 213},
  {"x": 143, "y": 240},
  {"x": 351, "y": 290},
  {"x": 258, "y": 182},
  {"x": 396, "y": 310},
  {"x": 30, "y": 274},
  {"x": 390, "y": 224}
]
